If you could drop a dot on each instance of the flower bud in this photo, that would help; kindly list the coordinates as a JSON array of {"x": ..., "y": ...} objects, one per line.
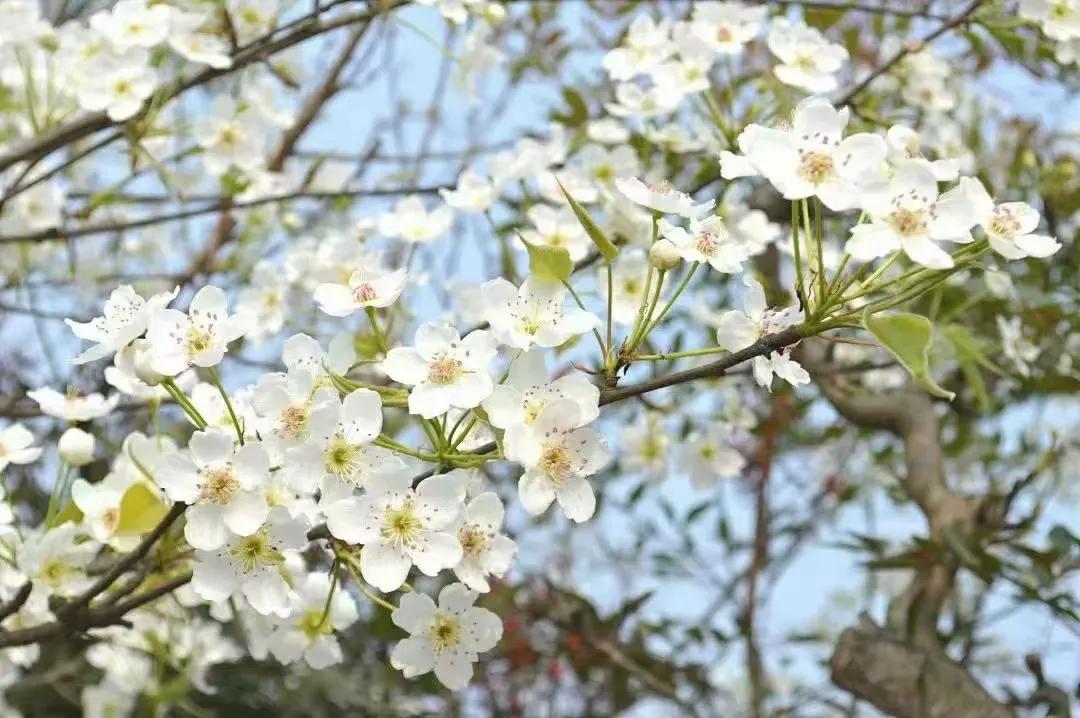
[
  {"x": 140, "y": 361},
  {"x": 663, "y": 255},
  {"x": 76, "y": 447}
]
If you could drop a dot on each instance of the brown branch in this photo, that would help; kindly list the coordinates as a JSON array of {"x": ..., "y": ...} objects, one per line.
[{"x": 909, "y": 49}]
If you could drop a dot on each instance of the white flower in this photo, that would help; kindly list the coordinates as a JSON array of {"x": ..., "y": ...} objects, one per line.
[
  {"x": 15, "y": 446},
  {"x": 534, "y": 314},
  {"x": 631, "y": 100},
  {"x": 56, "y": 562},
  {"x": 557, "y": 228},
  {"x": 72, "y": 407},
  {"x": 231, "y": 134},
  {"x": 76, "y": 447},
  {"x": 443, "y": 369},
  {"x": 400, "y": 526},
  {"x": 628, "y": 282},
  {"x": 645, "y": 445},
  {"x": 708, "y": 457},
  {"x": 124, "y": 319},
  {"x": 808, "y": 60},
  {"x": 726, "y": 27},
  {"x": 558, "y": 453},
  {"x": 366, "y": 288},
  {"x": 647, "y": 44},
  {"x": 1060, "y": 19},
  {"x": 474, "y": 193},
  {"x": 252, "y": 565},
  {"x": 301, "y": 352},
  {"x": 903, "y": 144},
  {"x": 131, "y": 373},
  {"x": 200, "y": 337},
  {"x": 118, "y": 86},
  {"x": 528, "y": 391},
  {"x": 412, "y": 223},
  {"x": 100, "y": 505},
  {"x": 284, "y": 403},
  {"x": 1009, "y": 226},
  {"x": 133, "y": 23},
  {"x": 486, "y": 551},
  {"x": 661, "y": 197},
  {"x": 738, "y": 330},
  {"x": 910, "y": 215},
  {"x": 337, "y": 455},
  {"x": 708, "y": 241},
  {"x": 1017, "y": 349},
  {"x": 191, "y": 43},
  {"x": 314, "y": 616},
  {"x": 812, "y": 158},
  {"x": 105, "y": 701},
  {"x": 222, "y": 482},
  {"x": 447, "y": 638}
]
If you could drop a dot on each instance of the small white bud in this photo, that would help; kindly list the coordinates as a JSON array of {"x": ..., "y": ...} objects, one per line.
[
  {"x": 140, "y": 360},
  {"x": 664, "y": 255},
  {"x": 76, "y": 447}
]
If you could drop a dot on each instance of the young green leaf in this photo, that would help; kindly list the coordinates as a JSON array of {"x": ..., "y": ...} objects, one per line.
[
  {"x": 908, "y": 337},
  {"x": 141, "y": 509},
  {"x": 606, "y": 247},
  {"x": 549, "y": 263}
]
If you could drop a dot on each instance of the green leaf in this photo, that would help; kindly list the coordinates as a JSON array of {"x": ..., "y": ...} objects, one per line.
[
  {"x": 970, "y": 356},
  {"x": 141, "y": 509},
  {"x": 549, "y": 263},
  {"x": 609, "y": 250},
  {"x": 70, "y": 513},
  {"x": 908, "y": 338}
]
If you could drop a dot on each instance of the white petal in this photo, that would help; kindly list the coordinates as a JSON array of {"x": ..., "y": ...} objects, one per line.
[
  {"x": 536, "y": 492},
  {"x": 383, "y": 566},
  {"x": 414, "y": 613},
  {"x": 576, "y": 497}
]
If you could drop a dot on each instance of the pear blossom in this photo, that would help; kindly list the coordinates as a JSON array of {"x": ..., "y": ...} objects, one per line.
[
  {"x": 527, "y": 391},
  {"x": 1017, "y": 349},
  {"x": 199, "y": 337},
  {"x": 739, "y": 329},
  {"x": 231, "y": 134},
  {"x": 365, "y": 288},
  {"x": 133, "y": 23},
  {"x": 73, "y": 407},
  {"x": 301, "y": 352},
  {"x": 446, "y": 638},
  {"x": 645, "y": 447},
  {"x": 283, "y": 404},
  {"x": 663, "y": 254},
  {"x": 132, "y": 375},
  {"x": 1009, "y": 226},
  {"x": 628, "y": 282},
  {"x": 56, "y": 562},
  {"x": 708, "y": 457},
  {"x": 190, "y": 41},
  {"x": 903, "y": 144},
  {"x": 726, "y": 27},
  {"x": 707, "y": 241},
  {"x": 16, "y": 446},
  {"x": 661, "y": 197},
  {"x": 646, "y": 45},
  {"x": 223, "y": 484},
  {"x": 413, "y": 223},
  {"x": 123, "y": 320},
  {"x": 100, "y": 505},
  {"x": 400, "y": 526},
  {"x": 910, "y": 215},
  {"x": 631, "y": 100},
  {"x": 556, "y": 228},
  {"x": 119, "y": 87},
  {"x": 558, "y": 453},
  {"x": 308, "y": 633},
  {"x": 485, "y": 550},
  {"x": 444, "y": 370},
  {"x": 474, "y": 193},
  {"x": 534, "y": 314},
  {"x": 337, "y": 455},
  {"x": 807, "y": 59},
  {"x": 252, "y": 565},
  {"x": 1059, "y": 19},
  {"x": 813, "y": 158}
]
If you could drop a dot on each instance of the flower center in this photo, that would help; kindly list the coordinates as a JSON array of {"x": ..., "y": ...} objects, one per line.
[
  {"x": 660, "y": 186},
  {"x": 1004, "y": 224},
  {"x": 445, "y": 632},
  {"x": 445, "y": 370},
  {"x": 557, "y": 461},
  {"x": 342, "y": 458},
  {"x": 815, "y": 167},
  {"x": 54, "y": 571},
  {"x": 908, "y": 222},
  {"x": 707, "y": 243},
  {"x": 218, "y": 486},
  {"x": 255, "y": 551},
  {"x": 724, "y": 34},
  {"x": 365, "y": 293},
  {"x": 314, "y": 624},
  {"x": 198, "y": 340},
  {"x": 401, "y": 525},
  {"x": 293, "y": 421},
  {"x": 473, "y": 540},
  {"x": 110, "y": 518}
]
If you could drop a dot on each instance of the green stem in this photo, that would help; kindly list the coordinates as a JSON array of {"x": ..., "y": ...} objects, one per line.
[
  {"x": 679, "y": 355},
  {"x": 330, "y": 594},
  {"x": 671, "y": 302},
  {"x": 380, "y": 338},
  {"x": 215, "y": 378},
  {"x": 362, "y": 585},
  {"x": 800, "y": 290},
  {"x": 183, "y": 403},
  {"x": 639, "y": 333},
  {"x": 596, "y": 332}
]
